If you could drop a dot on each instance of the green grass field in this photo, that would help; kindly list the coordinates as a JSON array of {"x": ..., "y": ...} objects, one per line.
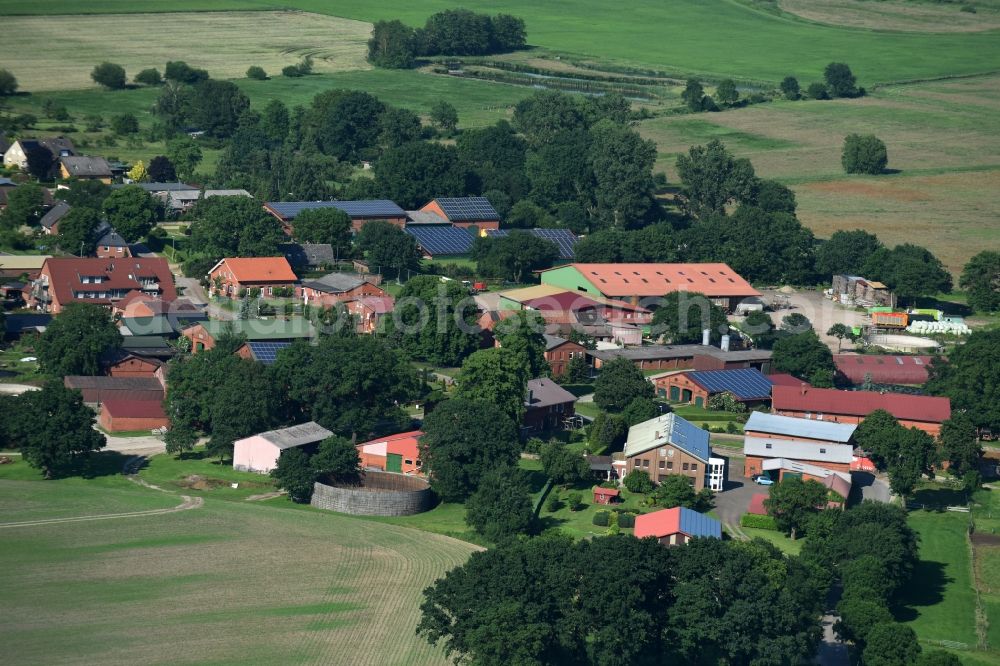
[
  {"x": 940, "y": 602},
  {"x": 231, "y": 582},
  {"x": 720, "y": 37},
  {"x": 943, "y": 138}
]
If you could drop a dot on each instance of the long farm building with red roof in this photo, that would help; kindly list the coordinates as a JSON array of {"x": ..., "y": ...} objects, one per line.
[
  {"x": 912, "y": 411},
  {"x": 637, "y": 283}
]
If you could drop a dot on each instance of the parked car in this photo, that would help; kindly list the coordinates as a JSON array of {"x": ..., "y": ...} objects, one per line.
[{"x": 763, "y": 480}]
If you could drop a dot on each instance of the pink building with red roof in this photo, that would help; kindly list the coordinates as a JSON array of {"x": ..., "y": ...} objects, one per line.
[
  {"x": 912, "y": 411},
  {"x": 395, "y": 453}
]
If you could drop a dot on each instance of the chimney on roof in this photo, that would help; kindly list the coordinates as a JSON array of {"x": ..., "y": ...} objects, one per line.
[
  {"x": 656, "y": 435},
  {"x": 725, "y": 343},
  {"x": 802, "y": 388},
  {"x": 706, "y": 337}
]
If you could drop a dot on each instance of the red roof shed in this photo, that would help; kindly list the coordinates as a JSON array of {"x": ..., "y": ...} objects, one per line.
[
  {"x": 605, "y": 495},
  {"x": 122, "y": 415}
]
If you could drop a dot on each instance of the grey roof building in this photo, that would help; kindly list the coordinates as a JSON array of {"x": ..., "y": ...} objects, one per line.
[
  {"x": 788, "y": 426},
  {"x": 767, "y": 447},
  {"x": 297, "y": 435},
  {"x": 544, "y": 392},
  {"x": 335, "y": 283},
  {"x": 54, "y": 214},
  {"x": 77, "y": 166},
  {"x": 310, "y": 255}
]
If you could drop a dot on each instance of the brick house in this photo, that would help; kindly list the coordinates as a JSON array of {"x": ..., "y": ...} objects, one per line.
[
  {"x": 50, "y": 221},
  {"x": 686, "y": 357},
  {"x": 97, "y": 390},
  {"x": 370, "y": 311},
  {"x": 110, "y": 243},
  {"x": 559, "y": 352},
  {"x": 395, "y": 453},
  {"x": 101, "y": 281},
  {"x": 669, "y": 444},
  {"x": 128, "y": 364},
  {"x": 124, "y": 415},
  {"x": 465, "y": 212},
  {"x": 912, "y": 411},
  {"x": 676, "y": 526},
  {"x": 769, "y": 437},
  {"x": 333, "y": 288},
  {"x": 747, "y": 385},
  {"x": 234, "y": 276},
  {"x": 203, "y": 335},
  {"x": 547, "y": 405}
]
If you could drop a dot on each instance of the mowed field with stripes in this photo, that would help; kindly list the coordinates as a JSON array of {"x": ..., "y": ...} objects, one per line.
[{"x": 229, "y": 582}]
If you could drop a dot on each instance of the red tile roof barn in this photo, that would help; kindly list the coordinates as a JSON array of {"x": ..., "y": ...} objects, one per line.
[
  {"x": 883, "y": 369},
  {"x": 785, "y": 379},
  {"x": 260, "y": 269},
  {"x": 135, "y": 409},
  {"x": 713, "y": 280},
  {"x": 860, "y": 403}
]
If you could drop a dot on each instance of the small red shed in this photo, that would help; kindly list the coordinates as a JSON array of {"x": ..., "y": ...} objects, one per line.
[{"x": 605, "y": 495}]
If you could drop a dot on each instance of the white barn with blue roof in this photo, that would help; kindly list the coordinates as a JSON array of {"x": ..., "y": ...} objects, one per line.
[{"x": 669, "y": 444}]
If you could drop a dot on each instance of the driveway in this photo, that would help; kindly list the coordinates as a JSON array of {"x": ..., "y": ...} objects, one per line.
[
  {"x": 732, "y": 502},
  {"x": 870, "y": 487},
  {"x": 822, "y": 312},
  {"x": 194, "y": 292}
]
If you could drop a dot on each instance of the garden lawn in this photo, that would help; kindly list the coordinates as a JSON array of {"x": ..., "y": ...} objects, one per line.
[
  {"x": 939, "y": 604},
  {"x": 783, "y": 543}
]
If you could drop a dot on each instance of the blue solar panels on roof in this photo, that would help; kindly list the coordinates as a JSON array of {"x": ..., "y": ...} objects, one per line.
[
  {"x": 697, "y": 524},
  {"x": 564, "y": 239},
  {"x": 374, "y": 208},
  {"x": 266, "y": 352},
  {"x": 744, "y": 383},
  {"x": 468, "y": 209},
  {"x": 442, "y": 240}
]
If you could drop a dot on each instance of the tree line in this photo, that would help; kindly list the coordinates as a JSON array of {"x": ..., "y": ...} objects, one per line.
[{"x": 453, "y": 32}]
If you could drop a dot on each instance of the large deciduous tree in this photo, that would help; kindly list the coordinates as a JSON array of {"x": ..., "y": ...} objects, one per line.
[
  {"x": 713, "y": 178},
  {"x": 132, "y": 212},
  {"x": 351, "y": 385},
  {"x": 392, "y": 45},
  {"x": 846, "y": 252},
  {"x": 840, "y": 80},
  {"x": 497, "y": 376},
  {"x": 513, "y": 256},
  {"x": 234, "y": 227},
  {"x": 864, "y": 154},
  {"x": 891, "y": 644},
  {"x": 805, "y": 356},
  {"x": 619, "y": 383},
  {"x": 388, "y": 249},
  {"x": 622, "y": 162},
  {"x": 676, "y": 490},
  {"x": 435, "y": 321},
  {"x": 960, "y": 444},
  {"x": 793, "y": 503},
  {"x": 323, "y": 225},
  {"x": 683, "y": 315},
  {"x": 910, "y": 271},
  {"x": 524, "y": 334},
  {"x": 563, "y": 465},
  {"x": 971, "y": 378},
  {"x": 981, "y": 279},
  {"x": 51, "y": 427},
  {"x": 109, "y": 75},
  {"x": 501, "y": 506},
  {"x": 78, "y": 231},
  {"x": 462, "y": 441},
  {"x": 161, "y": 170},
  {"x": 25, "y": 204},
  {"x": 74, "y": 342},
  {"x": 413, "y": 174}
]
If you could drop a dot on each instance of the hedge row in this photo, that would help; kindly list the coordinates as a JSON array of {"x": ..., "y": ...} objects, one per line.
[{"x": 759, "y": 522}]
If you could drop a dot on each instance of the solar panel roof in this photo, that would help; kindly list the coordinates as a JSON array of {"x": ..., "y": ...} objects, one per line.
[
  {"x": 564, "y": 239},
  {"x": 744, "y": 383},
  {"x": 442, "y": 240},
  {"x": 267, "y": 352},
  {"x": 374, "y": 208},
  {"x": 464, "y": 209}
]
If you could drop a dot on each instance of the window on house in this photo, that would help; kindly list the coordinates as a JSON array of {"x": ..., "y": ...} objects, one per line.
[
  {"x": 694, "y": 467},
  {"x": 408, "y": 462},
  {"x": 670, "y": 464},
  {"x": 645, "y": 463},
  {"x": 685, "y": 467},
  {"x": 822, "y": 450},
  {"x": 768, "y": 445},
  {"x": 663, "y": 464}
]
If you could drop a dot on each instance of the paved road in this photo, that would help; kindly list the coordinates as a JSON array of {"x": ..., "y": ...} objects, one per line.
[
  {"x": 17, "y": 389},
  {"x": 145, "y": 445},
  {"x": 872, "y": 487},
  {"x": 194, "y": 292},
  {"x": 732, "y": 502}
]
